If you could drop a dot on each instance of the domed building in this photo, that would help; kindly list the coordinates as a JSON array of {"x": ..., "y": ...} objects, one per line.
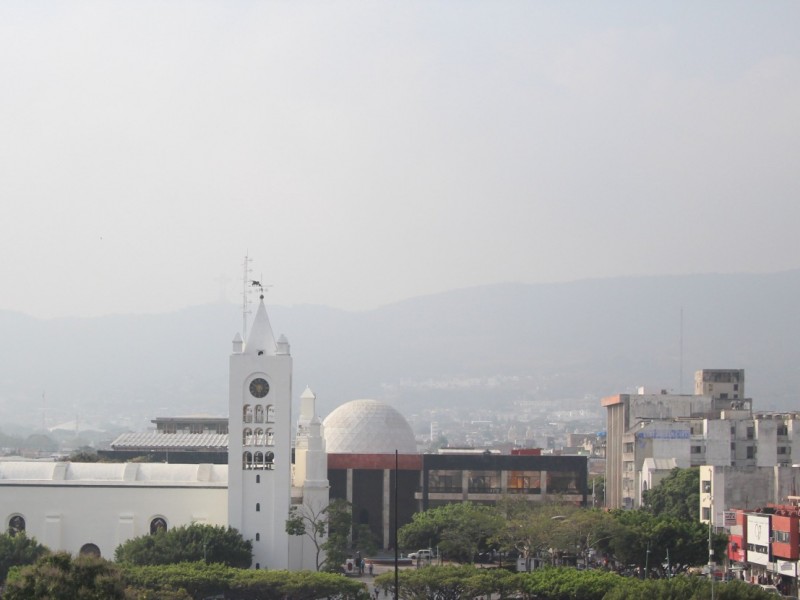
[
  {"x": 369, "y": 443},
  {"x": 368, "y": 427}
]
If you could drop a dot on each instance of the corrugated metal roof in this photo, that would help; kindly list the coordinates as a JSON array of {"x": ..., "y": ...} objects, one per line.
[{"x": 154, "y": 440}]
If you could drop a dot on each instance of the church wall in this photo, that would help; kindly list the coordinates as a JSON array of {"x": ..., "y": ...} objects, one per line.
[{"x": 65, "y": 517}]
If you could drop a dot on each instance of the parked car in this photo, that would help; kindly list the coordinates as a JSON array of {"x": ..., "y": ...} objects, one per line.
[{"x": 424, "y": 554}]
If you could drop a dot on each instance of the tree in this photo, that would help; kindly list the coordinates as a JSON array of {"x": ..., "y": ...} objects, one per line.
[
  {"x": 528, "y": 529},
  {"x": 311, "y": 522},
  {"x": 16, "y": 550},
  {"x": 582, "y": 530},
  {"x": 189, "y": 543},
  {"x": 60, "y": 577},
  {"x": 460, "y": 530},
  {"x": 677, "y": 495},
  {"x": 201, "y": 580},
  {"x": 340, "y": 523},
  {"x": 328, "y": 528},
  {"x": 648, "y": 541}
]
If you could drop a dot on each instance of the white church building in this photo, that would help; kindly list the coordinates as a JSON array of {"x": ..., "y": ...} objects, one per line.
[{"x": 94, "y": 507}]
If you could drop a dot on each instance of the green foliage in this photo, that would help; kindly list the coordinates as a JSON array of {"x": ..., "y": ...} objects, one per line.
[
  {"x": 527, "y": 528},
  {"x": 200, "y": 580},
  {"x": 638, "y": 532},
  {"x": 450, "y": 582},
  {"x": 329, "y": 529},
  {"x": 311, "y": 522},
  {"x": 337, "y": 547},
  {"x": 213, "y": 544},
  {"x": 459, "y": 530},
  {"x": 685, "y": 588},
  {"x": 84, "y": 456},
  {"x": 60, "y": 577},
  {"x": 567, "y": 584},
  {"x": 465, "y": 581},
  {"x": 677, "y": 496},
  {"x": 17, "y": 550}
]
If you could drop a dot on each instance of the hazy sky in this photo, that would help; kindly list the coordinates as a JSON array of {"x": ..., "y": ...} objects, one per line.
[{"x": 365, "y": 152}]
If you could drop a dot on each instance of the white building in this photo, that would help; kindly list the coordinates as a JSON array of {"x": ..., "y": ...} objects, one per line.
[
  {"x": 716, "y": 426},
  {"x": 94, "y": 507}
]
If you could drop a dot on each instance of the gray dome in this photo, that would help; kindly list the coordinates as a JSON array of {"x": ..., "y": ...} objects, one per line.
[{"x": 368, "y": 427}]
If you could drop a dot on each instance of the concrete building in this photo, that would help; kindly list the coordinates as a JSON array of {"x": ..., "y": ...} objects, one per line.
[{"x": 715, "y": 426}]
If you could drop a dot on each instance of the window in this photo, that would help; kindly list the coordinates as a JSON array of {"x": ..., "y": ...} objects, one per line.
[
  {"x": 269, "y": 458},
  {"x": 733, "y": 429},
  {"x": 258, "y": 537},
  {"x": 751, "y": 433},
  {"x": 706, "y": 487},
  {"x": 170, "y": 428},
  {"x": 783, "y": 450},
  {"x": 222, "y": 428},
  {"x": 247, "y": 437},
  {"x": 259, "y": 413},
  {"x": 258, "y": 478},
  {"x": 449, "y": 481},
  {"x": 195, "y": 428},
  {"x": 258, "y": 565},
  {"x": 270, "y": 437},
  {"x": 158, "y": 524},
  {"x": 782, "y": 537},
  {"x": 258, "y": 507},
  {"x": 258, "y": 459},
  {"x": 90, "y": 550},
  {"x": 697, "y": 449},
  {"x": 628, "y": 449},
  {"x": 706, "y": 513},
  {"x": 247, "y": 413},
  {"x": 247, "y": 460},
  {"x": 259, "y": 437},
  {"x": 16, "y": 524},
  {"x": 270, "y": 413},
  {"x": 735, "y": 387},
  {"x": 783, "y": 430},
  {"x": 751, "y": 452}
]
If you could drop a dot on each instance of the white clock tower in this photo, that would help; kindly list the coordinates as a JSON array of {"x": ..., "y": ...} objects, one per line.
[{"x": 259, "y": 447}]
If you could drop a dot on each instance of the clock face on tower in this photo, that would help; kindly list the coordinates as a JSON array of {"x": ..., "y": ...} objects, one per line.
[{"x": 259, "y": 387}]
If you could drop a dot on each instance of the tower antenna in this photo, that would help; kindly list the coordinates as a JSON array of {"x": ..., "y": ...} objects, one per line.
[
  {"x": 680, "y": 359},
  {"x": 245, "y": 303}
]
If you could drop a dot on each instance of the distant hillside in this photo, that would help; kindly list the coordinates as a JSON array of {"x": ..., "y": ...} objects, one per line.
[{"x": 471, "y": 347}]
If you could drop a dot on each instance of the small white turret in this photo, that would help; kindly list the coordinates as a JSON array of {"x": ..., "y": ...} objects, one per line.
[{"x": 238, "y": 344}]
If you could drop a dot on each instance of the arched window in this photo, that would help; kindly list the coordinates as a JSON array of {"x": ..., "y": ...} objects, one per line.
[
  {"x": 259, "y": 437},
  {"x": 258, "y": 537},
  {"x": 269, "y": 459},
  {"x": 90, "y": 550},
  {"x": 270, "y": 437},
  {"x": 247, "y": 437},
  {"x": 247, "y": 413},
  {"x": 259, "y": 413},
  {"x": 258, "y": 507},
  {"x": 270, "y": 413},
  {"x": 258, "y": 459},
  {"x": 159, "y": 524},
  {"x": 247, "y": 460},
  {"x": 258, "y": 478},
  {"x": 16, "y": 524}
]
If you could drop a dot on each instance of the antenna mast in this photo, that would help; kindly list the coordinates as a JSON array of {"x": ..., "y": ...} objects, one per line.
[
  {"x": 245, "y": 302},
  {"x": 680, "y": 382}
]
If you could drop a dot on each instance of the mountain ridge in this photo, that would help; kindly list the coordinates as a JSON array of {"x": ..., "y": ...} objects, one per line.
[{"x": 486, "y": 344}]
